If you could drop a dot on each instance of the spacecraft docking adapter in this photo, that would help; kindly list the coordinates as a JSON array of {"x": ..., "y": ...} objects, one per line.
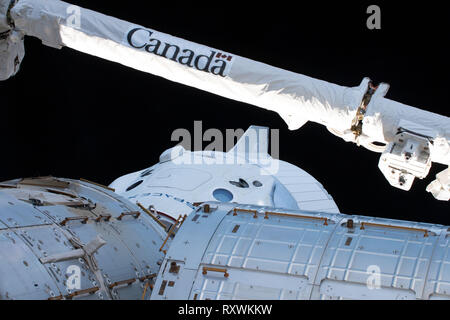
[{"x": 410, "y": 139}]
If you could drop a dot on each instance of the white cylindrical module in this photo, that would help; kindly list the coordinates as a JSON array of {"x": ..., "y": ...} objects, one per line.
[
  {"x": 242, "y": 252},
  {"x": 68, "y": 239}
]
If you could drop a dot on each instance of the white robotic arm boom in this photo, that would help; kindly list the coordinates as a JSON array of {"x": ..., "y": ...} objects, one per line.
[{"x": 409, "y": 138}]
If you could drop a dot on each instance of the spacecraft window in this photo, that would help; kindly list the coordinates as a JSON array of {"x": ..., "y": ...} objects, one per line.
[
  {"x": 379, "y": 144},
  {"x": 240, "y": 184},
  {"x": 134, "y": 185},
  {"x": 257, "y": 183},
  {"x": 146, "y": 172},
  {"x": 222, "y": 195}
]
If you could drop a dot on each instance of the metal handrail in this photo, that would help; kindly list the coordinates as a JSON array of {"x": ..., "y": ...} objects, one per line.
[
  {"x": 214, "y": 269},
  {"x": 371, "y": 224},
  {"x": 151, "y": 215},
  {"x": 267, "y": 213},
  {"x": 135, "y": 214}
]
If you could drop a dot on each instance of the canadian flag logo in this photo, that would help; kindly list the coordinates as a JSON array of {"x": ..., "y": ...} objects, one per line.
[{"x": 224, "y": 56}]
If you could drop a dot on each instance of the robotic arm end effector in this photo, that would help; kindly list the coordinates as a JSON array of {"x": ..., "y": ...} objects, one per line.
[{"x": 410, "y": 156}]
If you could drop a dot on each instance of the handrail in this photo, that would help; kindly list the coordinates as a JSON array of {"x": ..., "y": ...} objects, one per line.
[
  {"x": 169, "y": 233},
  {"x": 84, "y": 220},
  {"x": 370, "y": 224},
  {"x": 118, "y": 283},
  {"x": 44, "y": 182},
  {"x": 135, "y": 214},
  {"x": 267, "y": 213},
  {"x": 145, "y": 290},
  {"x": 10, "y": 186},
  {"x": 63, "y": 193},
  {"x": 255, "y": 212},
  {"x": 151, "y": 215},
  {"x": 98, "y": 184},
  {"x": 80, "y": 292},
  {"x": 213, "y": 269},
  {"x": 105, "y": 217},
  {"x": 184, "y": 218},
  {"x": 149, "y": 276}
]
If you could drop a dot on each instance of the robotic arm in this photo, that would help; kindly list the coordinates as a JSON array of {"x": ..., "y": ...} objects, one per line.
[{"x": 409, "y": 139}]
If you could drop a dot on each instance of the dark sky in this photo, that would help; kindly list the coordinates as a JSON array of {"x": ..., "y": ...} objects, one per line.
[{"x": 73, "y": 115}]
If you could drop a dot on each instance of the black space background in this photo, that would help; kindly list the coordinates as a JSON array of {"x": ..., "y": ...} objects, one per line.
[{"x": 73, "y": 115}]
